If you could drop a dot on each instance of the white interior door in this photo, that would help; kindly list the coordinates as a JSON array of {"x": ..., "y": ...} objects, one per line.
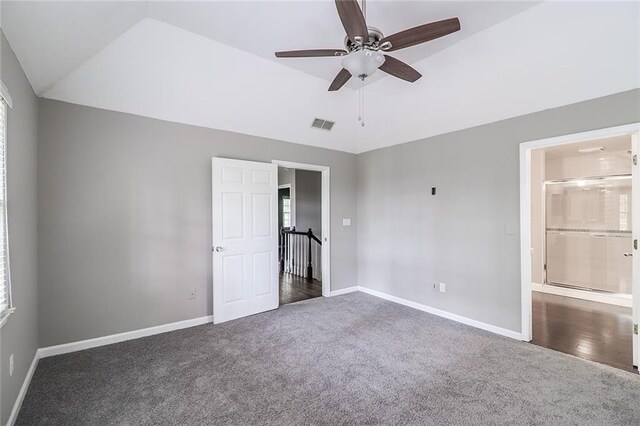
[
  {"x": 245, "y": 238},
  {"x": 635, "y": 222}
]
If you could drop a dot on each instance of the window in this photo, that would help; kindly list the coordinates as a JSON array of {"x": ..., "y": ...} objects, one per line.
[
  {"x": 5, "y": 285},
  {"x": 286, "y": 212}
]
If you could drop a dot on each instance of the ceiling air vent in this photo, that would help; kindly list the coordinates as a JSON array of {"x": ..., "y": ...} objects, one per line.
[{"x": 319, "y": 123}]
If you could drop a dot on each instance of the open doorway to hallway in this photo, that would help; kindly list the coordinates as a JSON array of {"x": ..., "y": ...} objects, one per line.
[
  {"x": 582, "y": 248},
  {"x": 301, "y": 234}
]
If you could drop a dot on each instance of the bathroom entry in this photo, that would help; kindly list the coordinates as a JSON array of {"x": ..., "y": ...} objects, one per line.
[{"x": 582, "y": 248}]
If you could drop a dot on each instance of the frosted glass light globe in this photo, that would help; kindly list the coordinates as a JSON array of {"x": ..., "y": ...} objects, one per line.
[{"x": 363, "y": 63}]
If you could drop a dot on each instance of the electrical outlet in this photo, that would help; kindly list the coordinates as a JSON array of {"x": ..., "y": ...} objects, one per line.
[
  {"x": 191, "y": 293},
  {"x": 11, "y": 365},
  {"x": 443, "y": 287}
]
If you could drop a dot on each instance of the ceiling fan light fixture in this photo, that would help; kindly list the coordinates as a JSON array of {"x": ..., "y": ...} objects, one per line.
[
  {"x": 363, "y": 63},
  {"x": 363, "y": 45}
]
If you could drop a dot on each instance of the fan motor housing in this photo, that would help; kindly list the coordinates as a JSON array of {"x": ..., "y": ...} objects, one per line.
[{"x": 375, "y": 35}]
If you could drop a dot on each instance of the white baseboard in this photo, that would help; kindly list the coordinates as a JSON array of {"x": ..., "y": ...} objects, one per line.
[
  {"x": 594, "y": 296},
  {"x": 23, "y": 390},
  {"x": 458, "y": 318},
  {"x": 344, "y": 291},
  {"x": 121, "y": 337}
]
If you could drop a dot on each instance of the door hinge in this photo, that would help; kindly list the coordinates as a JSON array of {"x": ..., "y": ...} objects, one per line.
[
  {"x": 635, "y": 244},
  {"x": 635, "y": 160},
  {"x": 635, "y": 328}
]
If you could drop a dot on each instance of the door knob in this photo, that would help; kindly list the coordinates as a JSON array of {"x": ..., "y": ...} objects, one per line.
[
  {"x": 628, "y": 255},
  {"x": 217, "y": 249}
]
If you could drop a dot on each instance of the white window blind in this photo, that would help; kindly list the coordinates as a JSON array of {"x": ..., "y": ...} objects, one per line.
[{"x": 5, "y": 284}]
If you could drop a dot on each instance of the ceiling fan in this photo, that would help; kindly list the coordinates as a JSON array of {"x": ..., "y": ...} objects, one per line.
[{"x": 363, "y": 45}]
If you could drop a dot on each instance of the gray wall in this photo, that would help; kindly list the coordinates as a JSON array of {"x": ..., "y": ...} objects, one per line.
[
  {"x": 19, "y": 336},
  {"x": 286, "y": 176},
  {"x": 309, "y": 201},
  {"x": 125, "y": 223},
  {"x": 466, "y": 236},
  {"x": 306, "y": 197}
]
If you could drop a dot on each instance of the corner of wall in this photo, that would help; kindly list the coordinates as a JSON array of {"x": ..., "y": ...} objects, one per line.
[{"x": 20, "y": 335}]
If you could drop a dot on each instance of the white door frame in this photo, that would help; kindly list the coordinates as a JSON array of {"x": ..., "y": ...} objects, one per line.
[
  {"x": 326, "y": 217},
  {"x": 525, "y": 214}
]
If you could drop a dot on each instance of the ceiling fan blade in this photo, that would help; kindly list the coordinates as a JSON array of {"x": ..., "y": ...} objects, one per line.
[
  {"x": 421, "y": 34},
  {"x": 342, "y": 77},
  {"x": 310, "y": 53},
  {"x": 352, "y": 19},
  {"x": 399, "y": 69}
]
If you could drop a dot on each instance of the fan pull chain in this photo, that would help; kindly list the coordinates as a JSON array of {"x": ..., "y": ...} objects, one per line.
[
  {"x": 361, "y": 90},
  {"x": 361, "y": 105}
]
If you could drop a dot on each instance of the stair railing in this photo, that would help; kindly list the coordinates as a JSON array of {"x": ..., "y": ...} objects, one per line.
[{"x": 296, "y": 252}]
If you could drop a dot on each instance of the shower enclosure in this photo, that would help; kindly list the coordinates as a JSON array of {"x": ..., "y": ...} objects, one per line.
[{"x": 588, "y": 233}]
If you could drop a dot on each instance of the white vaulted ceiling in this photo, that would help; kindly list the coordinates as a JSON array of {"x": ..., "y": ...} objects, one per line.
[{"x": 211, "y": 63}]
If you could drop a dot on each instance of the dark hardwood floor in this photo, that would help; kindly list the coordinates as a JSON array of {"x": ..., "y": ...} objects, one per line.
[
  {"x": 294, "y": 289},
  {"x": 595, "y": 331}
]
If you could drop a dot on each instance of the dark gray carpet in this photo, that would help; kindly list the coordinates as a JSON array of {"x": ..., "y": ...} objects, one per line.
[{"x": 352, "y": 359}]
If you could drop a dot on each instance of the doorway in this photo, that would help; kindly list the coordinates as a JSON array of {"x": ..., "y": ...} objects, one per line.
[
  {"x": 246, "y": 250},
  {"x": 300, "y": 239},
  {"x": 303, "y": 218},
  {"x": 578, "y": 227}
]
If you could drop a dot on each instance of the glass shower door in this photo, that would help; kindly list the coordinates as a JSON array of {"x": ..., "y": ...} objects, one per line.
[{"x": 588, "y": 234}]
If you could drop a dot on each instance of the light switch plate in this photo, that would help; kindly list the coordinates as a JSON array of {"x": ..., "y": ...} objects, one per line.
[{"x": 346, "y": 222}]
